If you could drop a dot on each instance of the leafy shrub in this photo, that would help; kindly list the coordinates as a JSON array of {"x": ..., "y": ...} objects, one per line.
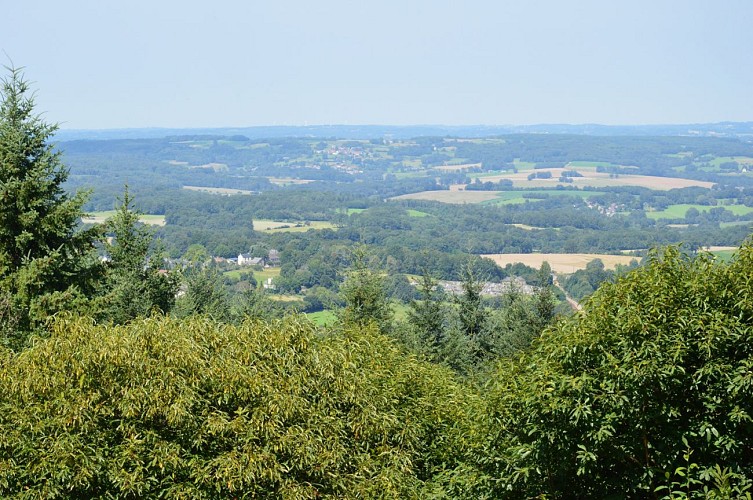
[
  {"x": 647, "y": 393},
  {"x": 194, "y": 409}
]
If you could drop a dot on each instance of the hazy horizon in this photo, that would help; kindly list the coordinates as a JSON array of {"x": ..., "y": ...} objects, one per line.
[{"x": 235, "y": 64}]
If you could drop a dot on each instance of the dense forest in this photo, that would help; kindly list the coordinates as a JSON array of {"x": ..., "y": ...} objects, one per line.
[{"x": 139, "y": 362}]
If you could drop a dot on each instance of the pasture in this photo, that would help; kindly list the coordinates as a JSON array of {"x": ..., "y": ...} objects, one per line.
[
  {"x": 100, "y": 217},
  {"x": 678, "y": 211},
  {"x": 560, "y": 262},
  {"x": 741, "y": 160}
]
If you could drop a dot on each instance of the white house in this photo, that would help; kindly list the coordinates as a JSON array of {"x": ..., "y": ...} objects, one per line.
[{"x": 245, "y": 259}]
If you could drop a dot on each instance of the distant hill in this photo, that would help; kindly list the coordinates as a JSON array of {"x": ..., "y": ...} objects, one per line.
[{"x": 722, "y": 129}]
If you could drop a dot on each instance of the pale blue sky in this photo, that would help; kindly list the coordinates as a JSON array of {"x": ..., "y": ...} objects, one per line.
[{"x": 147, "y": 63}]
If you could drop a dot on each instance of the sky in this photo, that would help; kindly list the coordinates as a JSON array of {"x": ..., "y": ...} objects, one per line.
[{"x": 235, "y": 63}]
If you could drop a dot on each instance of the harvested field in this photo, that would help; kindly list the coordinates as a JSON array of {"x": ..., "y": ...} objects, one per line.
[
  {"x": 560, "y": 262},
  {"x": 100, "y": 217},
  {"x": 457, "y": 197},
  {"x": 276, "y": 226},
  {"x": 592, "y": 178}
]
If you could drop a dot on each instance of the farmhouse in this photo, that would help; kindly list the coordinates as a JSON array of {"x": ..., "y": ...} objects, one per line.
[{"x": 246, "y": 259}]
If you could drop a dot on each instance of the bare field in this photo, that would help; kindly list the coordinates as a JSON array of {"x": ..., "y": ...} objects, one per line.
[
  {"x": 560, "y": 262},
  {"x": 212, "y": 190},
  {"x": 592, "y": 178},
  {"x": 453, "y": 196}
]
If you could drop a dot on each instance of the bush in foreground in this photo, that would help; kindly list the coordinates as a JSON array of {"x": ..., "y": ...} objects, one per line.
[
  {"x": 648, "y": 393},
  {"x": 193, "y": 409}
]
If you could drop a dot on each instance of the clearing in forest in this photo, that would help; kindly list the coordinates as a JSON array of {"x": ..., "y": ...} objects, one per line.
[{"x": 276, "y": 226}]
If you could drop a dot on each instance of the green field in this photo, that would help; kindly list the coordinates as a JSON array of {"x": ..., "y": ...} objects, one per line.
[
  {"x": 678, "y": 211},
  {"x": 417, "y": 213},
  {"x": 742, "y": 160},
  {"x": 259, "y": 276},
  {"x": 100, "y": 217},
  {"x": 515, "y": 197},
  {"x": 322, "y": 318}
]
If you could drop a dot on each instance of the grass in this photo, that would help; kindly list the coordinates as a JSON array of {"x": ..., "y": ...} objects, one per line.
[
  {"x": 260, "y": 276},
  {"x": 275, "y": 226},
  {"x": 100, "y": 217},
  {"x": 515, "y": 197},
  {"x": 742, "y": 160},
  {"x": 560, "y": 262},
  {"x": 322, "y": 318},
  {"x": 416, "y": 213},
  {"x": 724, "y": 255},
  {"x": 678, "y": 211},
  {"x": 523, "y": 165}
]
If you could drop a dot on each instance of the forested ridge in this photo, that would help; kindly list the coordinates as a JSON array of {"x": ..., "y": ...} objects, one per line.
[{"x": 121, "y": 378}]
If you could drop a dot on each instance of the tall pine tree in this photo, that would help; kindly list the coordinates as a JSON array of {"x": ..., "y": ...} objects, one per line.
[
  {"x": 134, "y": 285},
  {"x": 47, "y": 263}
]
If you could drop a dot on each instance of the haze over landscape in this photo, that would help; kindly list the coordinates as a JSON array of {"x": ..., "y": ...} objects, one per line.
[{"x": 237, "y": 63}]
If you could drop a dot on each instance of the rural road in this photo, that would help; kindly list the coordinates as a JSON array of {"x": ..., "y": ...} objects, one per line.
[{"x": 573, "y": 303}]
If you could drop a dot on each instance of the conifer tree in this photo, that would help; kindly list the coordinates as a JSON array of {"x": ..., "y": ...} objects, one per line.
[
  {"x": 427, "y": 316},
  {"x": 135, "y": 285},
  {"x": 47, "y": 263},
  {"x": 364, "y": 295}
]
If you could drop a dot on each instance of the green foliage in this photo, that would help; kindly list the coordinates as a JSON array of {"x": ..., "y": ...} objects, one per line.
[
  {"x": 428, "y": 317},
  {"x": 253, "y": 303},
  {"x": 134, "y": 285},
  {"x": 470, "y": 309},
  {"x": 196, "y": 409},
  {"x": 364, "y": 295},
  {"x": 46, "y": 263},
  {"x": 203, "y": 292},
  {"x": 646, "y": 393}
]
